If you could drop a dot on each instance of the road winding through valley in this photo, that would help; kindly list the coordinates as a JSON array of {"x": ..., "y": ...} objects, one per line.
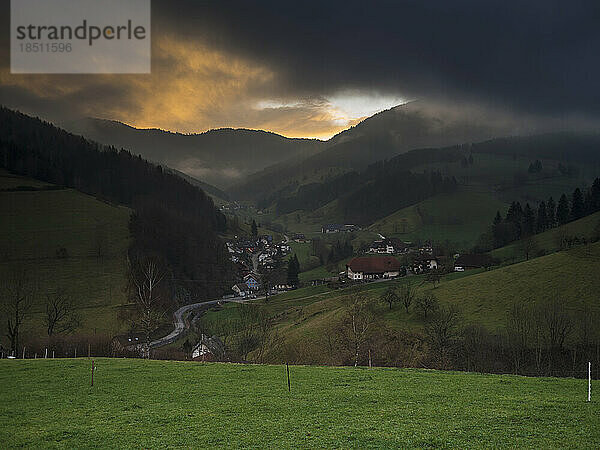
[{"x": 180, "y": 316}]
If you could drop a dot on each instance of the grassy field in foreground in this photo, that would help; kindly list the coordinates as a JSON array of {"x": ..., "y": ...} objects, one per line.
[{"x": 148, "y": 404}]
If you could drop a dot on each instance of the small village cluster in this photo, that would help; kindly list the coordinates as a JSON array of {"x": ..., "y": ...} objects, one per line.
[{"x": 255, "y": 257}]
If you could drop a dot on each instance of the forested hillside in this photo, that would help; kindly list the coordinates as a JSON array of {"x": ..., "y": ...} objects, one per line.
[
  {"x": 220, "y": 157},
  {"x": 172, "y": 220}
]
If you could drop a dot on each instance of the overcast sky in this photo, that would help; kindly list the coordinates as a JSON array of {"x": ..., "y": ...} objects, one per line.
[{"x": 314, "y": 68}]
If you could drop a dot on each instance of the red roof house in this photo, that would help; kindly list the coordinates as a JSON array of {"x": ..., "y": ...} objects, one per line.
[{"x": 367, "y": 267}]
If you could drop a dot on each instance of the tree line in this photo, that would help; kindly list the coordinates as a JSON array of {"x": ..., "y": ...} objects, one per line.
[
  {"x": 541, "y": 338},
  {"x": 520, "y": 222},
  {"x": 382, "y": 188}
]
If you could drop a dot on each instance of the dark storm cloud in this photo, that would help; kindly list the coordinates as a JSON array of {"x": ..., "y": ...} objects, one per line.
[
  {"x": 538, "y": 57},
  {"x": 279, "y": 65}
]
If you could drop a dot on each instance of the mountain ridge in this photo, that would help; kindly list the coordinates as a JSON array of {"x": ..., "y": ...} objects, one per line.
[{"x": 217, "y": 156}]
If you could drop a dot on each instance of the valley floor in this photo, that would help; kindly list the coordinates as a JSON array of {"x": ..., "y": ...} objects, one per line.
[{"x": 137, "y": 403}]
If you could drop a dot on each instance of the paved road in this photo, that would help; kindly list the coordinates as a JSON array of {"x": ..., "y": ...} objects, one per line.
[
  {"x": 255, "y": 262},
  {"x": 180, "y": 315}
]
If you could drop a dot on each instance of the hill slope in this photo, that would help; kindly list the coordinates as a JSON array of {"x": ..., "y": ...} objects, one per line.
[
  {"x": 383, "y": 135},
  {"x": 306, "y": 319},
  {"x": 219, "y": 157},
  {"x": 37, "y": 224},
  {"x": 137, "y": 403},
  {"x": 487, "y": 174},
  {"x": 586, "y": 228}
]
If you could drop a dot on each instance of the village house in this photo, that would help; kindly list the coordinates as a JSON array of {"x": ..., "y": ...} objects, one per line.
[
  {"x": 252, "y": 282},
  {"x": 299, "y": 237},
  {"x": 209, "y": 349},
  {"x": 367, "y": 267},
  {"x": 382, "y": 246},
  {"x": 425, "y": 264},
  {"x": 283, "y": 287},
  {"x": 266, "y": 239},
  {"x": 337, "y": 228},
  {"x": 467, "y": 262},
  {"x": 426, "y": 249},
  {"x": 241, "y": 289},
  {"x": 389, "y": 246}
]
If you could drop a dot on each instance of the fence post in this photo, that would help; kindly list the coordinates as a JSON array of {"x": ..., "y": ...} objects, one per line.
[
  {"x": 589, "y": 381},
  {"x": 23, "y": 352},
  {"x": 52, "y": 354},
  {"x": 46, "y": 355}
]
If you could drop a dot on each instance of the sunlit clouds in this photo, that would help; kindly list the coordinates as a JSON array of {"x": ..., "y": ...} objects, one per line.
[
  {"x": 193, "y": 88},
  {"x": 324, "y": 116}
]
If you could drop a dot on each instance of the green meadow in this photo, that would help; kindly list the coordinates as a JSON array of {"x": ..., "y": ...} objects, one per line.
[{"x": 149, "y": 404}]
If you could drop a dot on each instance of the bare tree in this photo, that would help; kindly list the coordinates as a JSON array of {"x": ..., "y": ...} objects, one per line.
[
  {"x": 558, "y": 323},
  {"x": 561, "y": 238},
  {"x": 407, "y": 295},
  {"x": 146, "y": 277},
  {"x": 61, "y": 314},
  {"x": 519, "y": 330},
  {"x": 442, "y": 332},
  {"x": 100, "y": 243},
  {"x": 434, "y": 277},
  {"x": 254, "y": 330},
  {"x": 552, "y": 328},
  {"x": 17, "y": 298},
  {"x": 427, "y": 304},
  {"x": 358, "y": 324},
  {"x": 390, "y": 297},
  {"x": 528, "y": 246}
]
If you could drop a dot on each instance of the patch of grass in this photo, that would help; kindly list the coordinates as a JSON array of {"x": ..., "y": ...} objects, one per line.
[
  {"x": 459, "y": 217},
  {"x": 548, "y": 241},
  {"x": 36, "y": 224},
  {"x": 304, "y": 252},
  {"x": 486, "y": 297},
  {"x": 315, "y": 274},
  {"x": 138, "y": 403}
]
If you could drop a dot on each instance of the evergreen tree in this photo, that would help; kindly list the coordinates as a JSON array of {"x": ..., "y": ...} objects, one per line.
[
  {"x": 528, "y": 226},
  {"x": 293, "y": 270},
  {"x": 497, "y": 219},
  {"x": 535, "y": 167},
  {"x": 562, "y": 210},
  {"x": 577, "y": 206},
  {"x": 551, "y": 212},
  {"x": 254, "y": 229},
  {"x": 502, "y": 232},
  {"x": 595, "y": 196},
  {"x": 514, "y": 216},
  {"x": 542, "y": 218}
]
